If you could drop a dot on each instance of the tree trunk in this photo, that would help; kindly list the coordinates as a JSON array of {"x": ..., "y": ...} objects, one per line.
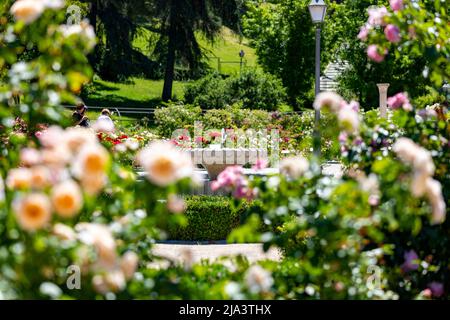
[
  {"x": 170, "y": 63},
  {"x": 93, "y": 15},
  {"x": 94, "y": 56}
]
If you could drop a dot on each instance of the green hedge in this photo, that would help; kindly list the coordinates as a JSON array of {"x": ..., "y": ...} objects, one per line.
[{"x": 210, "y": 218}]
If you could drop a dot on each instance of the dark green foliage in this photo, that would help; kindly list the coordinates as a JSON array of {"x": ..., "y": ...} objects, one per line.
[
  {"x": 209, "y": 218},
  {"x": 176, "y": 116},
  {"x": 403, "y": 72},
  {"x": 252, "y": 89},
  {"x": 283, "y": 35},
  {"x": 210, "y": 92}
]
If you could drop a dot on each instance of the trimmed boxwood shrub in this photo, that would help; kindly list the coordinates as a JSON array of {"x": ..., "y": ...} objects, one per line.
[{"x": 210, "y": 218}]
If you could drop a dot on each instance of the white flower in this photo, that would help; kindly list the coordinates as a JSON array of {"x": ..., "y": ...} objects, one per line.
[
  {"x": 423, "y": 162},
  {"x": 19, "y": 178},
  {"x": 52, "y": 137},
  {"x": 294, "y": 167},
  {"x": 349, "y": 119},
  {"x": 76, "y": 138},
  {"x": 165, "y": 164},
  {"x": 273, "y": 182},
  {"x": 132, "y": 144},
  {"x": 101, "y": 238},
  {"x": 176, "y": 204},
  {"x": 115, "y": 280},
  {"x": 103, "y": 126},
  {"x": 40, "y": 177},
  {"x": 93, "y": 184},
  {"x": 418, "y": 184},
  {"x": 30, "y": 157},
  {"x": 369, "y": 184},
  {"x": 423, "y": 183},
  {"x": 129, "y": 264},
  {"x": 27, "y": 10},
  {"x": 33, "y": 211},
  {"x": 56, "y": 157},
  {"x": 67, "y": 199},
  {"x": 258, "y": 279},
  {"x": 406, "y": 149},
  {"x": 64, "y": 232},
  {"x": 328, "y": 100},
  {"x": 83, "y": 30},
  {"x": 434, "y": 194}
]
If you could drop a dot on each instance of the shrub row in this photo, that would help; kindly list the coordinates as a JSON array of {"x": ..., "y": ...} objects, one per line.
[
  {"x": 210, "y": 218},
  {"x": 253, "y": 89}
]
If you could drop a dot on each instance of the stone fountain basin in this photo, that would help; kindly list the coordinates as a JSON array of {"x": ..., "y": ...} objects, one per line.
[{"x": 216, "y": 160}]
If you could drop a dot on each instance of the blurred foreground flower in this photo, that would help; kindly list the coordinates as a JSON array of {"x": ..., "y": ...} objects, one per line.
[
  {"x": 30, "y": 10},
  {"x": 294, "y": 167},
  {"x": 423, "y": 184},
  {"x": 33, "y": 211},
  {"x": 165, "y": 164},
  {"x": 258, "y": 279}
]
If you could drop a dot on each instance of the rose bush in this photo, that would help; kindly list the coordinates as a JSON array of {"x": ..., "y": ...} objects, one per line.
[{"x": 67, "y": 203}]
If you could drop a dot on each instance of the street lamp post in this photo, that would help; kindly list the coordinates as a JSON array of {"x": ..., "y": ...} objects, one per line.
[
  {"x": 241, "y": 55},
  {"x": 318, "y": 11}
]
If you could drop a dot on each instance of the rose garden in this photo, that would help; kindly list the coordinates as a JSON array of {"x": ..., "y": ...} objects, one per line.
[{"x": 219, "y": 192}]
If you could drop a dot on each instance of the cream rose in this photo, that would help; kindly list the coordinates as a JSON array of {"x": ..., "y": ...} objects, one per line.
[
  {"x": 27, "y": 10},
  {"x": 40, "y": 177},
  {"x": 92, "y": 160},
  {"x": 77, "y": 137},
  {"x": 165, "y": 164},
  {"x": 33, "y": 211},
  {"x": 129, "y": 264},
  {"x": 100, "y": 237},
  {"x": 67, "y": 199},
  {"x": 93, "y": 184},
  {"x": 328, "y": 100},
  {"x": 294, "y": 167},
  {"x": 19, "y": 178}
]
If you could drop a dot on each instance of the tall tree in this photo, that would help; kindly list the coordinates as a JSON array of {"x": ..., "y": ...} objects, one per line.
[
  {"x": 283, "y": 35},
  {"x": 180, "y": 20}
]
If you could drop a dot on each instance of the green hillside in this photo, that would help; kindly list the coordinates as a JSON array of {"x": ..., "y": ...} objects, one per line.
[{"x": 226, "y": 48}]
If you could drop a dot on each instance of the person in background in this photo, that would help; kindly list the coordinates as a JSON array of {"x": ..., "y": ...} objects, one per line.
[
  {"x": 79, "y": 116},
  {"x": 104, "y": 122}
]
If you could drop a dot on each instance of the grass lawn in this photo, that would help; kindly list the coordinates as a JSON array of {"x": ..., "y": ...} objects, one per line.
[{"x": 135, "y": 93}]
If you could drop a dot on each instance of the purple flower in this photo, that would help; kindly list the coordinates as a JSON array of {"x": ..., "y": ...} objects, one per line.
[
  {"x": 396, "y": 5},
  {"x": 374, "y": 54},
  {"x": 343, "y": 136},
  {"x": 392, "y": 33},
  {"x": 437, "y": 289},
  {"x": 411, "y": 261}
]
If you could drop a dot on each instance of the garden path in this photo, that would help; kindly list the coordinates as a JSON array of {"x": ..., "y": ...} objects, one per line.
[{"x": 196, "y": 252}]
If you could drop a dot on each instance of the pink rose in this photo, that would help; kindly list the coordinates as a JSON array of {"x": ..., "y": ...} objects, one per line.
[
  {"x": 260, "y": 164},
  {"x": 400, "y": 100},
  {"x": 363, "y": 33},
  {"x": 392, "y": 33},
  {"x": 377, "y": 15},
  {"x": 374, "y": 54},
  {"x": 396, "y": 5}
]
